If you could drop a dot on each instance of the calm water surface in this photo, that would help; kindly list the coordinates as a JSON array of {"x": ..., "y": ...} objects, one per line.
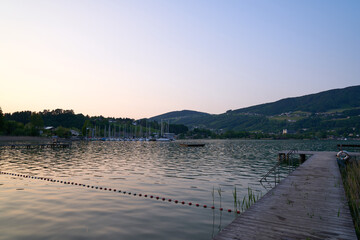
[{"x": 37, "y": 209}]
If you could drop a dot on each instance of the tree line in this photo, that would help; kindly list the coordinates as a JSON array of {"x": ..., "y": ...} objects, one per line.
[{"x": 27, "y": 123}]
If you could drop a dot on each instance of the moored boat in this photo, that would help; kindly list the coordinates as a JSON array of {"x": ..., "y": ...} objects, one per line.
[{"x": 192, "y": 144}]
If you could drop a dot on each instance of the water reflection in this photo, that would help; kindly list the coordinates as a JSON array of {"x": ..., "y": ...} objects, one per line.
[{"x": 51, "y": 210}]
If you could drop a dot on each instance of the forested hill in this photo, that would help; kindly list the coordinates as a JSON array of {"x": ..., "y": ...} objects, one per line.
[
  {"x": 179, "y": 115},
  {"x": 333, "y": 112},
  {"x": 337, "y": 109},
  {"x": 320, "y": 102}
]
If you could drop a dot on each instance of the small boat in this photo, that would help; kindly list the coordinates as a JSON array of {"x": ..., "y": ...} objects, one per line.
[
  {"x": 163, "y": 140},
  {"x": 192, "y": 144}
]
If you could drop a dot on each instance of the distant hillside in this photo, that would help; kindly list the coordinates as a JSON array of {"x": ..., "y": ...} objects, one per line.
[
  {"x": 338, "y": 108},
  {"x": 320, "y": 102},
  {"x": 176, "y": 116}
]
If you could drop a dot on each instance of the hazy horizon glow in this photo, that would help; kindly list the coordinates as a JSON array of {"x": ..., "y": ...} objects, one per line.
[{"x": 143, "y": 58}]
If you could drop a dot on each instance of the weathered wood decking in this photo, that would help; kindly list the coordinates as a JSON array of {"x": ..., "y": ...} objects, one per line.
[{"x": 309, "y": 204}]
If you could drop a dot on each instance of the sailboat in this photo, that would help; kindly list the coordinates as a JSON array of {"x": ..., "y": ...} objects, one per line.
[{"x": 165, "y": 137}]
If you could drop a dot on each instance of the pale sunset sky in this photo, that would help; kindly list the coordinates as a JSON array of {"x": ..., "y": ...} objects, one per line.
[{"x": 141, "y": 58}]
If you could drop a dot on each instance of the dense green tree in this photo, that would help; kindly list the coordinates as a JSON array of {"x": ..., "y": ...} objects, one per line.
[
  {"x": 23, "y": 116},
  {"x": 178, "y": 128},
  {"x": 65, "y": 118},
  {"x": 36, "y": 121},
  {"x": 14, "y": 128},
  {"x": 62, "y": 132}
]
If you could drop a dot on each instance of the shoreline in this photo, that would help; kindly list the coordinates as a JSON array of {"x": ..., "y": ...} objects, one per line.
[{"x": 23, "y": 138}]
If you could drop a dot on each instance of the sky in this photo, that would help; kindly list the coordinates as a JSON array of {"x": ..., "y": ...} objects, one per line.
[{"x": 142, "y": 58}]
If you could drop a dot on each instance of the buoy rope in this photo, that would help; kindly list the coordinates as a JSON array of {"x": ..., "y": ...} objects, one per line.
[{"x": 118, "y": 191}]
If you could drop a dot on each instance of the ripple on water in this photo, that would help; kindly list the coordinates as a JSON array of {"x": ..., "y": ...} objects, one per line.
[{"x": 52, "y": 210}]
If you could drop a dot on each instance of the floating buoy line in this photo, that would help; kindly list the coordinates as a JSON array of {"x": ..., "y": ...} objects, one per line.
[{"x": 119, "y": 191}]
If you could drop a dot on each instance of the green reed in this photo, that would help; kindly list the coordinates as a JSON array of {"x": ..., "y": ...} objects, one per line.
[
  {"x": 351, "y": 179},
  {"x": 248, "y": 199},
  {"x": 213, "y": 196},
  {"x": 219, "y": 192},
  {"x": 235, "y": 199}
]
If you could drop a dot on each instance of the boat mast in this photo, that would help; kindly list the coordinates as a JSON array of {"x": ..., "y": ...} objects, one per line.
[
  {"x": 161, "y": 128},
  {"x": 109, "y": 131}
]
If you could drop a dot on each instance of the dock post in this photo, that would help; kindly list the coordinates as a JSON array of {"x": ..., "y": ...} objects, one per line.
[
  {"x": 302, "y": 158},
  {"x": 282, "y": 157}
]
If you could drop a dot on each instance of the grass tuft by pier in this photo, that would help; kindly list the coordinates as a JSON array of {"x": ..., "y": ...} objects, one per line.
[{"x": 351, "y": 181}]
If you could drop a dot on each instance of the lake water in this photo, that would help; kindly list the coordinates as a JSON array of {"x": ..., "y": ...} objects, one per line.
[{"x": 39, "y": 209}]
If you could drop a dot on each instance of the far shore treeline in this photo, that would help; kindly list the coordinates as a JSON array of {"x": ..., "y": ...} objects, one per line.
[
  {"x": 63, "y": 123},
  {"x": 332, "y": 114}
]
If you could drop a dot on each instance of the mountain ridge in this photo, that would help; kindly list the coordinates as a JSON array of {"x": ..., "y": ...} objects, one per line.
[
  {"x": 314, "y": 102},
  {"x": 178, "y": 114},
  {"x": 292, "y": 112}
]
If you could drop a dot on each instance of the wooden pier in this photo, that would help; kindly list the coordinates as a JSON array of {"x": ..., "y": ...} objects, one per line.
[
  {"x": 309, "y": 204},
  {"x": 285, "y": 155},
  {"x": 36, "y": 145}
]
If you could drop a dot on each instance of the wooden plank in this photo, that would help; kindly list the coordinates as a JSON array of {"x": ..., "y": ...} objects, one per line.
[{"x": 309, "y": 204}]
